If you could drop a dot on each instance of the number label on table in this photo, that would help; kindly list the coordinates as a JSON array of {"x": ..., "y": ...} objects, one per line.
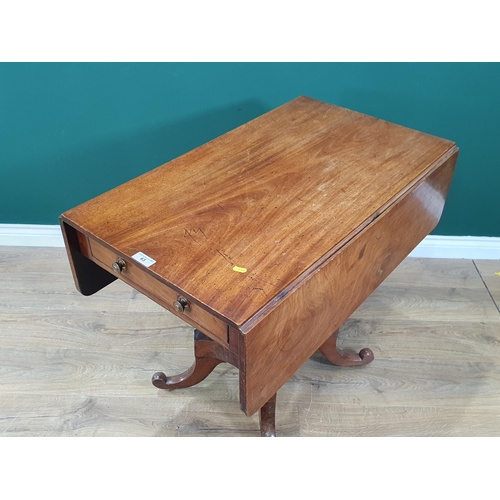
[{"x": 144, "y": 259}]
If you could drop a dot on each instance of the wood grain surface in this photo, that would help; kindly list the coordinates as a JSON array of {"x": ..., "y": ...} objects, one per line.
[
  {"x": 81, "y": 366},
  {"x": 276, "y": 196},
  {"x": 283, "y": 340}
]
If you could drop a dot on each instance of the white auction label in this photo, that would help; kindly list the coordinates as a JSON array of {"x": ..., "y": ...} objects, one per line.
[{"x": 143, "y": 259}]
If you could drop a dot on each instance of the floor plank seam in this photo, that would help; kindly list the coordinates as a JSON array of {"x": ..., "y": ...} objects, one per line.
[{"x": 486, "y": 286}]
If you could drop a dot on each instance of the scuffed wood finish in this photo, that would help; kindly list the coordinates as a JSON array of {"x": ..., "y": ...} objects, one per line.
[
  {"x": 280, "y": 343},
  {"x": 276, "y": 196}
]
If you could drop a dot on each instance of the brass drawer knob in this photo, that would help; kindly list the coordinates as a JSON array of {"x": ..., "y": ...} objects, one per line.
[
  {"x": 119, "y": 266},
  {"x": 181, "y": 304}
]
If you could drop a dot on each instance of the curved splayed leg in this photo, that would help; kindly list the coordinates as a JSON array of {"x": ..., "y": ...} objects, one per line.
[
  {"x": 208, "y": 355},
  {"x": 344, "y": 358},
  {"x": 199, "y": 371}
]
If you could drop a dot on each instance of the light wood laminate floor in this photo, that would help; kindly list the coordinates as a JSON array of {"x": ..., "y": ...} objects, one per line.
[{"x": 82, "y": 366}]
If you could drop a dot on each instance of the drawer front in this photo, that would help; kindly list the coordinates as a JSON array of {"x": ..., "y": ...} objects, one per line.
[{"x": 135, "y": 275}]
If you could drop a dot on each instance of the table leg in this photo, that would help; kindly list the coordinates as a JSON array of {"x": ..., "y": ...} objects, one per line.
[
  {"x": 267, "y": 418},
  {"x": 341, "y": 358},
  {"x": 208, "y": 354}
]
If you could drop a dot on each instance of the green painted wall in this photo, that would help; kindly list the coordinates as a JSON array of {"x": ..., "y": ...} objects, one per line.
[{"x": 69, "y": 132}]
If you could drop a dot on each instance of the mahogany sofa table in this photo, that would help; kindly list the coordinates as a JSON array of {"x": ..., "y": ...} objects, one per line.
[{"x": 267, "y": 238}]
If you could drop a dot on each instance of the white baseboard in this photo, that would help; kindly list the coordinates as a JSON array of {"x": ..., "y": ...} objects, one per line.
[
  {"x": 31, "y": 235},
  {"x": 458, "y": 247},
  {"x": 444, "y": 247}
]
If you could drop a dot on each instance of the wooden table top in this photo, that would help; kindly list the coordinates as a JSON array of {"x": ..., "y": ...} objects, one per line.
[{"x": 239, "y": 222}]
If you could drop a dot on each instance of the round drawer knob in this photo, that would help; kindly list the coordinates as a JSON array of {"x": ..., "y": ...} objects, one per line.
[
  {"x": 119, "y": 266},
  {"x": 181, "y": 304}
]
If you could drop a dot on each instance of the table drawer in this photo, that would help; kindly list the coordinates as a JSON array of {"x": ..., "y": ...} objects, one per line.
[{"x": 135, "y": 275}]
